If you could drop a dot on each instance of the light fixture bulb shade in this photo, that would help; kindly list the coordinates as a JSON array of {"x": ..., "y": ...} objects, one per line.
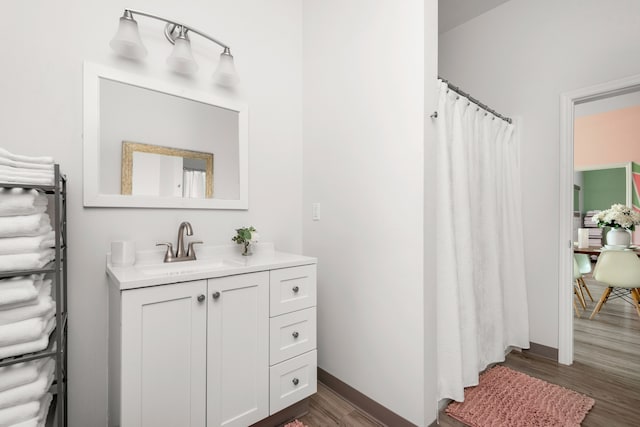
[
  {"x": 225, "y": 74},
  {"x": 181, "y": 59},
  {"x": 127, "y": 41}
]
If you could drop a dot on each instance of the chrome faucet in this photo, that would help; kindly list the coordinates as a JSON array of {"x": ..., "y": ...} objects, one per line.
[{"x": 180, "y": 254}]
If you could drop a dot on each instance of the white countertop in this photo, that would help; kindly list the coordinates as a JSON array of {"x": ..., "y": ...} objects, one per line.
[{"x": 213, "y": 261}]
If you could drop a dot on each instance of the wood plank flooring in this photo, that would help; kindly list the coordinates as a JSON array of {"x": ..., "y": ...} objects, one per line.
[
  {"x": 606, "y": 367},
  {"x": 611, "y": 340},
  {"x": 328, "y": 409}
]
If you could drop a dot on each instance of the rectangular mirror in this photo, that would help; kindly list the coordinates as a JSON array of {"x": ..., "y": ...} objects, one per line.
[{"x": 150, "y": 144}]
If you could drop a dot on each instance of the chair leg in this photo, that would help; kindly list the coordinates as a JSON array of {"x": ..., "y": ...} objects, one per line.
[
  {"x": 575, "y": 307},
  {"x": 603, "y": 299},
  {"x": 584, "y": 285},
  {"x": 635, "y": 294},
  {"x": 580, "y": 295}
]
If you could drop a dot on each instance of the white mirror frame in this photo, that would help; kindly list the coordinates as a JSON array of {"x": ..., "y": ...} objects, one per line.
[{"x": 91, "y": 143}]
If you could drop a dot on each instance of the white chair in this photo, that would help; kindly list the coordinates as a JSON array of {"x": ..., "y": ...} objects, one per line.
[
  {"x": 620, "y": 270},
  {"x": 576, "y": 288},
  {"x": 584, "y": 265}
]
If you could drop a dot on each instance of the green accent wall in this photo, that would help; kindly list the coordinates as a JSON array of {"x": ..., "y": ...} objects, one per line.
[
  {"x": 603, "y": 188},
  {"x": 576, "y": 200}
]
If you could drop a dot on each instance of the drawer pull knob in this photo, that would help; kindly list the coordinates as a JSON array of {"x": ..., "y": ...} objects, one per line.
[
  {"x": 295, "y": 381},
  {"x": 295, "y": 289},
  {"x": 216, "y": 295},
  {"x": 295, "y": 334},
  {"x": 201, "y": 298}
]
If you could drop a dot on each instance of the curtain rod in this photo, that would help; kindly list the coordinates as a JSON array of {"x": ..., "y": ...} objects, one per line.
[{"x": 485, "y": 107}]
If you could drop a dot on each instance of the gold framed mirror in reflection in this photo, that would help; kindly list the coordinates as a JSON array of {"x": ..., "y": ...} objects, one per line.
[{"x": 154, "y": 170}]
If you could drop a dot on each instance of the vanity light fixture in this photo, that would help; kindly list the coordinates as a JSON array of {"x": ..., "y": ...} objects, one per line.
[{"x": 127, "y": 43}]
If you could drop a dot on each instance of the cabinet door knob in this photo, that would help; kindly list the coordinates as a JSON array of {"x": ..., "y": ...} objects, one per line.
[
  {"x": 216, "y": 295},
  {"x": 295, "y": 381},
  {"x": 201, "y": 298},
  {"x": 295, "y": 289},
  {"x": 295, "y": 334}
]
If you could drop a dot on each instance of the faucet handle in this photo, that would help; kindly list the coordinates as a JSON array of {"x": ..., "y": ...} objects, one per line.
[
  {"x": 168, "y": 256},
  {"x": 191, "y": 251}
]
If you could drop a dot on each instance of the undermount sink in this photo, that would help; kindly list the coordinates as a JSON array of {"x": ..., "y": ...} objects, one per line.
[{"x": 186, "y": 267}]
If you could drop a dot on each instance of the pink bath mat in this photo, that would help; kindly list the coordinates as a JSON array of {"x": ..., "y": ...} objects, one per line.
[
  {"x": 295, "y": 423},
  {"x": 507, "y": 398}
]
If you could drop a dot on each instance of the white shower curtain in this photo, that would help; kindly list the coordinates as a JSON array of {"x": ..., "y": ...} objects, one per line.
[
  {"x": 481, "y": 290},
  {"x": 194, "y": 184}
]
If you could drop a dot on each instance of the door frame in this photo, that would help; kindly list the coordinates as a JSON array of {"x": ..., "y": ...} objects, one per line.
[{"x": 568, "y": 101}]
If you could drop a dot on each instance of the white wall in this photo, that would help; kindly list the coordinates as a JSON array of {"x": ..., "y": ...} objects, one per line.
[
  {"x": 41, "y": 114},
  {"x": 363, "y": 161},
  {"x": 519, "y": 58}
]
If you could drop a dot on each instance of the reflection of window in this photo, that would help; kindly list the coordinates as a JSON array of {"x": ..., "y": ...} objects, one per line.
[{"x": 153, "y": 170}]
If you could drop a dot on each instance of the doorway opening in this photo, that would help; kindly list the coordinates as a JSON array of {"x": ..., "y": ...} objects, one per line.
[{"x": 572, "y": 102}]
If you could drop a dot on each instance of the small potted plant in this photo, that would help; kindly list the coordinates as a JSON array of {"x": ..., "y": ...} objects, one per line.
[
  {"x": 622, "y": 219},
  {"x": 246, "y": 236}
]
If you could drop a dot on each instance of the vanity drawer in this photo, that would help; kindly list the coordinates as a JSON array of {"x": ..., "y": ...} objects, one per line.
[
  {"x": 292, "y": 380},
  {"x": 292, "y": 334},
  {"x": 292, "y": 289}
]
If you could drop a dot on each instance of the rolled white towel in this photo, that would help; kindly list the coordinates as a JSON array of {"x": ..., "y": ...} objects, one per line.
[
  {"x": 32, "y": 346},
  {"x": 19, "y": 413},
  {"x": 29, "y": 159},
  {"x": 26, "y": 165},
  {"x": 32, "y": 391},
  {"x": 18, "y": 201},
  {"x": 40, "y": 419},
  {"x": 21, "y": 373},
  {"x": 25, "y": 225},
  {"x": 27, "y": 261},
  {"x": 44, "y": 304},
  {"x": 24, "y": 330},
  {"x": 18, "y": 178},
  {"x": 35, "y": 173},
  {"x": 18, "y": 291},
  {"x": 21, "y": 245}
]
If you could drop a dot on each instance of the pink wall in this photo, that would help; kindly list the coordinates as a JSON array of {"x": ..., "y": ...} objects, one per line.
[{"x": 611, "y": 137}]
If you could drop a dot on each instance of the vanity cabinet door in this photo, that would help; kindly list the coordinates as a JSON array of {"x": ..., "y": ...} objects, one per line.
[
  {"x": 238, "y": 350},
  {"x": 163, "y": 358}
]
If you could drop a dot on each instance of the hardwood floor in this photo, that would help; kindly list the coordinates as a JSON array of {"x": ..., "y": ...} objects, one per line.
[
  {"x": 606, "y": 367},
  {"x": 611, "y": 340},
  {"x": 328, "y": 409}
]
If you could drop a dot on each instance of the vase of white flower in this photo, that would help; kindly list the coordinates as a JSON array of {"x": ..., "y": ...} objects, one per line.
[{"x": 622, "y": 220}]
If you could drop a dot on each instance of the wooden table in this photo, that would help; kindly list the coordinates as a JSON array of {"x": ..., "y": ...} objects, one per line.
[{"x": 596, "y": 250}]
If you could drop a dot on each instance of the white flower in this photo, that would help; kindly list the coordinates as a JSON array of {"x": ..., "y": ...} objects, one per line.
[
  {"x": 618, "y": 216},
  {"x": 254, "y": 237}
]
